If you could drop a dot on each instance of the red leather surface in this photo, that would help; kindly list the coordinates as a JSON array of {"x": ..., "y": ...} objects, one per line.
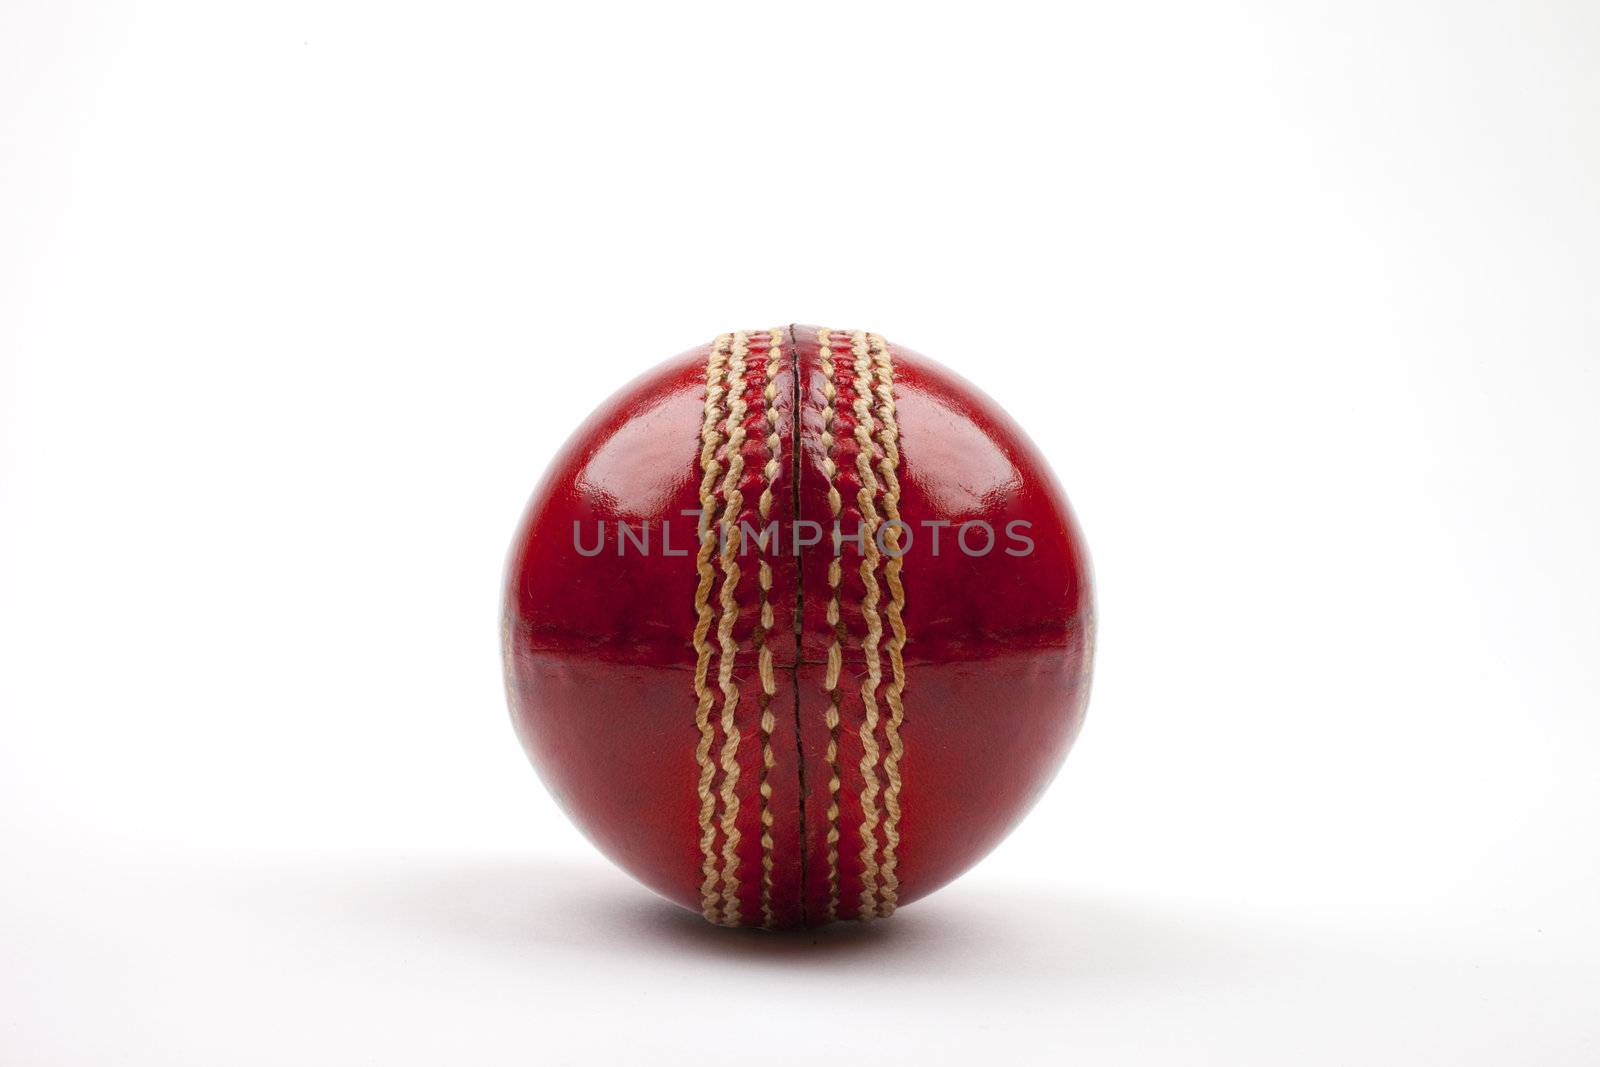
[{"x": 600, "y": 652}]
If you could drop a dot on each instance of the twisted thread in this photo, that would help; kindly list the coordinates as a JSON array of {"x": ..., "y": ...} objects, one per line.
[
  {"x": 888, "y": 464},
  {"x": 769, "y": 686},
  {"x": 732, "y": 506},
  {"x": 836, "y": 646},
  {"x": 870, "y": 753},
  {"x": 710, "y": 441}
]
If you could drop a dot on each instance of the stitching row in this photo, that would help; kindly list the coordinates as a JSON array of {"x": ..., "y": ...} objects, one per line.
[
  {"x": 888, "y": 464},
  {"x": 866, "y": 502},
  {"x": 836, "y": 645},
  {"x": 710, "y": 441},
  {"x": 732, "y": 506},
  {"x": 768, "y": 682}
]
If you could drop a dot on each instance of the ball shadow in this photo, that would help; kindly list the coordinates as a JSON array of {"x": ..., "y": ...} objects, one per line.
[{"x": 532, "y": 909}]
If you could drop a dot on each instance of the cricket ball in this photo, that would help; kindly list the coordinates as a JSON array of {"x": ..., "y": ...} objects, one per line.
[{"x": 797, "y": 626}]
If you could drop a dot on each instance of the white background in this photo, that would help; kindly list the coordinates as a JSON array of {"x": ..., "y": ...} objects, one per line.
[{"x": 297, "y": 299}]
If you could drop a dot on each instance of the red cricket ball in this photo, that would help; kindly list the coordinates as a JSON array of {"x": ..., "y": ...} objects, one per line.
[{"x": 797, "y": 626}]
